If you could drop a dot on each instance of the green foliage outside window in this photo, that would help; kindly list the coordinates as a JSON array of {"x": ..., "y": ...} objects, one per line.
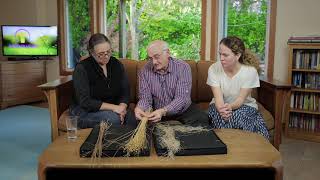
[
  {"x": 79, "y": 24},
  {"x": 175, "y": 21},
  {"x": 247, "y": 20},
  {"x": 178, "y": 23}
]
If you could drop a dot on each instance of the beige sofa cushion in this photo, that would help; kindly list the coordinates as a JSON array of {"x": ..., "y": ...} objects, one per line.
[
  {"x": 62, "y": 126},
  {"x": 131, "y": 70},
  {"x": 204, "y": 93},
  {"x": 266, "y": 116},
  {"x": 193, "y": 67}
]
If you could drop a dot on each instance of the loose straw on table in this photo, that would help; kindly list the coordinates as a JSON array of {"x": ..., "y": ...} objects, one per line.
[{"x": 167, "y": 137}]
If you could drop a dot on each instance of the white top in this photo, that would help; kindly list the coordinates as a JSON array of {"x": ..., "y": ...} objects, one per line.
[{"x": 246, "y": 77}]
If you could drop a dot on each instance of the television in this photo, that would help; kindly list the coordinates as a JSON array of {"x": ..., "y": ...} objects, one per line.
[{"x": 29, "y": 41}]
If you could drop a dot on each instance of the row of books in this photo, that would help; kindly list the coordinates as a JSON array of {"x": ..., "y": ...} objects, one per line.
[
  {"x": 304, "y": 39},
  {"x": 306, "y": 59},
  {"x": 306, "y": 80},
  {"x": 307, "y": 122},
  {"x": 305, "y": 101}
]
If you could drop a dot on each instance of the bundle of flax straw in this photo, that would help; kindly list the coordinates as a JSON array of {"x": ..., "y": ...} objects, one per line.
[
  {"x": 138, "y": 140},
  {"x": 97, "y": 151}
]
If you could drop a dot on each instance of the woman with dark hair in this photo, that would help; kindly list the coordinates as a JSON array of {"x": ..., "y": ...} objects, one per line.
[
  {"x": 101, "y": 87},
  {"x": 232, "y": 80}
]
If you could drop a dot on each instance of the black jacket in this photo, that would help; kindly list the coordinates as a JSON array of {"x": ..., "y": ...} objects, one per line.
[{"x": 92, "y": 87}]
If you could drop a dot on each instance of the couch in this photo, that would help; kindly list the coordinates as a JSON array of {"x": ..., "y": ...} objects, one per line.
[{"x": 270, "y": 96}]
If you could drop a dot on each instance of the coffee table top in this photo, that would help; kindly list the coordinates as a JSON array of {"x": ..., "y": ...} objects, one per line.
[{"x": 245, "y": 150}]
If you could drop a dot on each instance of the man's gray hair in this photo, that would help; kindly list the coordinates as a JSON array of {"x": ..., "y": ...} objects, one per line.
[{"x": 164, "y": 44}]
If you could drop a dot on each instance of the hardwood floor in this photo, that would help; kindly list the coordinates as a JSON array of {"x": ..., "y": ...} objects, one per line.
[{"x": 300, "y": 159}]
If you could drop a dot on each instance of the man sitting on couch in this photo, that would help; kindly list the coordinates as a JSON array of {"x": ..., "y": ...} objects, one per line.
[{"x": 165, "y": 86}]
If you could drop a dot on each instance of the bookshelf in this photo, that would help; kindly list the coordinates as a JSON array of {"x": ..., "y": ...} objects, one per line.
[{"x": 303, "y": 117}]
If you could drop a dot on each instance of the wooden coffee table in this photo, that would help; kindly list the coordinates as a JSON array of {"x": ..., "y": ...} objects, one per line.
[{"x": 246, "y": 151}]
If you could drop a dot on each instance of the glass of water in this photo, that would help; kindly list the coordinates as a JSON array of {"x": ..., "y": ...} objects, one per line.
[{"x": 71, "y": 122}]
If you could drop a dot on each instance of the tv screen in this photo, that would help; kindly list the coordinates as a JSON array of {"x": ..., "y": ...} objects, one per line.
[{"x": 29, "y": 40}]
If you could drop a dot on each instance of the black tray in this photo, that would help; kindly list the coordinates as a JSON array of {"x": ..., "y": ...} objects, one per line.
[
  {"x": 113, "y": 147},
  {"x": 202, "y": 143}
]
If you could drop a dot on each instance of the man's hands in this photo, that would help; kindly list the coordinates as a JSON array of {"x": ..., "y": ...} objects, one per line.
[
  {"x": 225, "y": 111},
  {"x": 139, "y": 113},
  {"x": 154, "y": 116}
]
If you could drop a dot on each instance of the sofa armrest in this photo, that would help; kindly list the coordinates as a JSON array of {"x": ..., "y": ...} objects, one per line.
[
  {"x": 273, "y": 94},
  {"x": 59, "y": 94}
]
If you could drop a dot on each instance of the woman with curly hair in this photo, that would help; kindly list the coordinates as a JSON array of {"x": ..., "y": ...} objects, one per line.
[{"x": 232, "y": 80}]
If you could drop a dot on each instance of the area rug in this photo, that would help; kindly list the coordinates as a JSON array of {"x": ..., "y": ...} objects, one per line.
[{"x": 24, "y": 134}]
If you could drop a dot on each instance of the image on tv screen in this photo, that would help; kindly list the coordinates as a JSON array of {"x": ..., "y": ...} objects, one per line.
[{"x": 29, "y": 40}]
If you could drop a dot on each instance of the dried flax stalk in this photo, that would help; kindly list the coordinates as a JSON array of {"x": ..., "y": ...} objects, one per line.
[
  {"x": 138, "y": 140},
  {"x": 97, "y": 151}
]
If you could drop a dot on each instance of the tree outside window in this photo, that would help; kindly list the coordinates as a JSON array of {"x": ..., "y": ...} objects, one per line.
[
  {"x": 247, "y": 19},
  {"x": 177, "y": 22},
  {"x": 78, "y": 28}
]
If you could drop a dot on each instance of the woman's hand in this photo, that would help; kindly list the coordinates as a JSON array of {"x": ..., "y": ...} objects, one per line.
[
  {"x": 121, "y": 109},
  {"x": 225, "y": 111}
]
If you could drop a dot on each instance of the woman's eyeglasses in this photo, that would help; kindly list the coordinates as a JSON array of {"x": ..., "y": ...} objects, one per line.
[{"x": 104, "y": 54}]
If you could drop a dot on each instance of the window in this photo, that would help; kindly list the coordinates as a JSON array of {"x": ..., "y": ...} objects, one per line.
[
  {"x": 247, "y": 19},
  {"x": 75, "y": 31},
  {"x": 177, "y": 22},
  {"x": 117, "y": 18},
  {"x": 78, "y": 24},
  {"x": 199, "y": 22},
  {"x": 112, "y": 25}
]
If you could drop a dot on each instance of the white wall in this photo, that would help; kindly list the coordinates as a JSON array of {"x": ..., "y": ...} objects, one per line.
[
  {"x": 31, "y": 12},
  {"x": 17, "y": 12},
  {"x": 294, "y": 17},
  {"x": 47, "y": 13}
]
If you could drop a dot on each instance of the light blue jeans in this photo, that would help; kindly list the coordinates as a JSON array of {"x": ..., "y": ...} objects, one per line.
[{"x": 91, "y": 119}]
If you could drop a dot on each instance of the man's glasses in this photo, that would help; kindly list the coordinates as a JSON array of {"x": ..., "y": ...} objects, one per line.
[
  {"x": 104, "y": 54},
  {"x": 155, "y": 57}
]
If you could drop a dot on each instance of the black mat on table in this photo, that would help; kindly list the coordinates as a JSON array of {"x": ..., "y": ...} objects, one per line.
[
  {"x": 113, "y": 145},
  {"x": 200, "y": 143}
]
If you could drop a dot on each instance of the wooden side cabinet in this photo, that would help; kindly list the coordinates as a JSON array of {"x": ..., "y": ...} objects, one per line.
[{"x": 19, "y": 81}]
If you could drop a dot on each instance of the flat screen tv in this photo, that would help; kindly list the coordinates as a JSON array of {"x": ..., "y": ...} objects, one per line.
[{"x": 29, "y": 41}]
